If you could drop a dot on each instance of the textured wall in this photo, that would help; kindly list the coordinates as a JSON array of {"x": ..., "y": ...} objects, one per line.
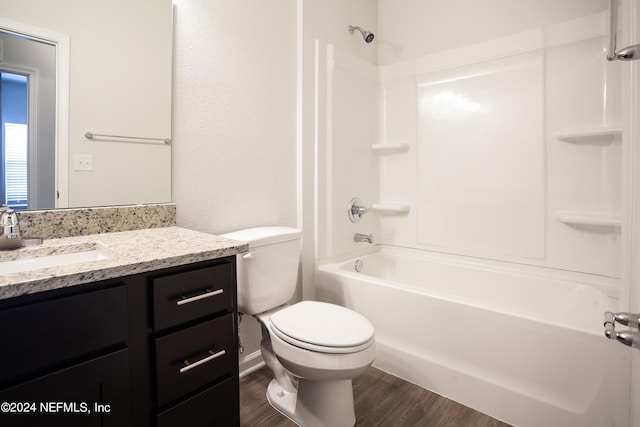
[
  {"x": 234, "y": 119},
  {"x": 234, "y": 112}
]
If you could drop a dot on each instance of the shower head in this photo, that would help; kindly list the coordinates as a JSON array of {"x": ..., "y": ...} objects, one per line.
[{"x": 368, "y": 36}]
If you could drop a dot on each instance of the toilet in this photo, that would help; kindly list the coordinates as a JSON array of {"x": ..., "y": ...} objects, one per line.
[{"x": 314, "y": 349}]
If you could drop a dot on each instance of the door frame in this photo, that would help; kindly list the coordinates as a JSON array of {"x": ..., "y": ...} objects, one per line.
[
  {"x": 61, "y": 43},
  {"x": 630, "y": 292}
]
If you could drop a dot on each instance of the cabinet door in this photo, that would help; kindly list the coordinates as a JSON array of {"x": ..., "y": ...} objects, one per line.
[
  {"x": 93, "y": 393},
  {"x": 38, "y": 338}
]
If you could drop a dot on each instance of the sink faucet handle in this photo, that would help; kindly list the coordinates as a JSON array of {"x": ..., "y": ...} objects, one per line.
[
  {"x": 9, "y": 221},
  {"x": 10, "y": 237}
]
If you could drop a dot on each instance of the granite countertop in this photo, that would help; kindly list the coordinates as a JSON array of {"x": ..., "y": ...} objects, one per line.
[{"x": 129, "y": 252}]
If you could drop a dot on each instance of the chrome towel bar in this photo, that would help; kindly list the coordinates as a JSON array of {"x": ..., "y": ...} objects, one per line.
[{"x": 91, "y": 135}]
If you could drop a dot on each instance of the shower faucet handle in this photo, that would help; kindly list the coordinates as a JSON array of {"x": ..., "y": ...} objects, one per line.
[{"x": 356, "y": 210}]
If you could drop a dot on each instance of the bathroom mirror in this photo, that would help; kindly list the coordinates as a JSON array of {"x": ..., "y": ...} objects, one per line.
[{"x": 112, "y": 77}]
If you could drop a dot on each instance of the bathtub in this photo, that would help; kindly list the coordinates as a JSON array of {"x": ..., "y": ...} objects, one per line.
[{"x": 522, "y": 344}]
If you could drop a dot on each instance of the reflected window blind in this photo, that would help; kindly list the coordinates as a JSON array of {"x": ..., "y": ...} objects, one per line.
[{"x": 15, "y": 164}]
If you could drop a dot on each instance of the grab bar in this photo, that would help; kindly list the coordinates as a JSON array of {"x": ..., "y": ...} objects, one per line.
[
  {"x": 628, "y": 53},
  {"x": 91, "y": 135}
]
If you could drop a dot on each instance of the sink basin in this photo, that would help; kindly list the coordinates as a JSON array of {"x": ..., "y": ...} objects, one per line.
[{"x": 36, "y": 258}]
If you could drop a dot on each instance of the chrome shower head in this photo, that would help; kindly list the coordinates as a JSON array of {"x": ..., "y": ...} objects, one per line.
[{"x": 368, "y": 36}]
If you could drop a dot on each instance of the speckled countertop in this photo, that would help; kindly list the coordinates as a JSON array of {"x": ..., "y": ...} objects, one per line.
[{"x": 129, "y": 252}]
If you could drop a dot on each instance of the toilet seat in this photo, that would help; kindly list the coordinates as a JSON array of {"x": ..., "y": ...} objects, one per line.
[{"x": 323, "y": 327}]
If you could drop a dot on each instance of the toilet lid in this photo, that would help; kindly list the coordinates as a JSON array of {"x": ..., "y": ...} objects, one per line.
[{"x": 320, "y": 326}]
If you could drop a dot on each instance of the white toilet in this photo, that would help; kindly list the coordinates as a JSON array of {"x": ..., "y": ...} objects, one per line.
[{"x": 313, "y": 348}]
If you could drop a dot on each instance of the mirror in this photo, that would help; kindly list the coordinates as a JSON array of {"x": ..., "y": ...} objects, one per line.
[{"x": 113, "y": 82}]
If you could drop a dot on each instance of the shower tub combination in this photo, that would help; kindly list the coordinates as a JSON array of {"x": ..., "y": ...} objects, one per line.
[{"x": 522, "y": 344}]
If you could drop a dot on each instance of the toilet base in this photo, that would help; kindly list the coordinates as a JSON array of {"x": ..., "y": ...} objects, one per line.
[{"x": 316, "y": 403}]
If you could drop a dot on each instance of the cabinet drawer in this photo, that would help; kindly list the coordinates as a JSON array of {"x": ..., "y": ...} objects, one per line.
[
  {"x": 215, "y": 406},
  {"x": 181, "y": 297},
  {"x": 40, "y": 336},
  {"x": 194, "y": 357}
]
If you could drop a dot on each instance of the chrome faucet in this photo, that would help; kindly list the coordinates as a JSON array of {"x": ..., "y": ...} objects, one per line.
[
  {"x": 10, "y": 237},
  {"x": 355, "y": 210},
  {"x": 359, "y": 237}
]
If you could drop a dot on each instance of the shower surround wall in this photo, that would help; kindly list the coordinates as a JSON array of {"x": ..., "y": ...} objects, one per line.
[{"x": 514, "y": 146}]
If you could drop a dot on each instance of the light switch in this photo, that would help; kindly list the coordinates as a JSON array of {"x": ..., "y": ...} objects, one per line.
[{"x": 82, "y": 162}]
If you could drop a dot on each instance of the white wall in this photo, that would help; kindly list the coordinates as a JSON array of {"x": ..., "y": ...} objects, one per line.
[
  {"x": 234, "y": 114},
  {"x": 234, "y": 119},
  {"x": 412, "y": 28}
]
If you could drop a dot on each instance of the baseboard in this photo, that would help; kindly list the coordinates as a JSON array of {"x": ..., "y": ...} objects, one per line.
[{"x": 251, "y": 363}]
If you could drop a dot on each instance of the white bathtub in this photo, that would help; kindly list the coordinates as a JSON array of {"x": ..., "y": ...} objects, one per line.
[{"x": 522, "y": 344}]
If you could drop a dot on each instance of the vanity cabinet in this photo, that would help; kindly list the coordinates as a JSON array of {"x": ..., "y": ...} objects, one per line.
[{"x": 156, "y": 348}]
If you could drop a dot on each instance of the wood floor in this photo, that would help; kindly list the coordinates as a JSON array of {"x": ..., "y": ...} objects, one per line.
[{"x": 380, "y": 400}]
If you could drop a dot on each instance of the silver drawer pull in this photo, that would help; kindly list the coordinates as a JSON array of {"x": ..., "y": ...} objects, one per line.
[
  {"x": 201, "y": 361},
  {"x": 199, "y": 297}
]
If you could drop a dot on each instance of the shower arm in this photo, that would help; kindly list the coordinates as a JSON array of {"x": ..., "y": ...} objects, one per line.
[{"x": 628, "y": 53}]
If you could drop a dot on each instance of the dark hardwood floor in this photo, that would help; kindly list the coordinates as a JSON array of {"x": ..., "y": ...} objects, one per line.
[{"x": 380, "y": 400}]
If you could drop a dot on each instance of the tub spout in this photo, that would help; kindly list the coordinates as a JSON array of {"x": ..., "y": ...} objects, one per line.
[{"x": 359, "y": 237}]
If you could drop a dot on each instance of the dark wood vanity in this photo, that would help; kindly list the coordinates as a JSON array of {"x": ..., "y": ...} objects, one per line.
[{"x": 157, "y": 348}]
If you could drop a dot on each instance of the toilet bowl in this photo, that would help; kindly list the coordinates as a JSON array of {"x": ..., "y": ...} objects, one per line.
[
  {"x": 322, "y": 347},
  {"x": 314, "y": 349}
]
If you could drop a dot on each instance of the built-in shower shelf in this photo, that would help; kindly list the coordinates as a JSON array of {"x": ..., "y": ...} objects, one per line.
[
  {"x": 391, "y": 208},
  {"x": 587, "y": 218},
  {"x": 397, "y": 147},
  {"x": 603, "y": 135}
]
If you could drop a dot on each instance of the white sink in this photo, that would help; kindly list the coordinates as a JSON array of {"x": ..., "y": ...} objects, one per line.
[{"x": 36, "y": 258}]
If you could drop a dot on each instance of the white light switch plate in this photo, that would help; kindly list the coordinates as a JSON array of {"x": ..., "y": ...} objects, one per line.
[{"x": 82, "y": 162}]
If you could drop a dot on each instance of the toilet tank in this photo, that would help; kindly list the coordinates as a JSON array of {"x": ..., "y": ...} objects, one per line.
[{"x": 268, "y": 273}]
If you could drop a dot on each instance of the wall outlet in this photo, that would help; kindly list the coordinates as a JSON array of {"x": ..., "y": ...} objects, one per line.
[{"x": 82, "y": 162}]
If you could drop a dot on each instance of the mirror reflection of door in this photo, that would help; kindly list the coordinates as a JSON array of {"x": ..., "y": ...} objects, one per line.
[{"x": 27, "y": 122}]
